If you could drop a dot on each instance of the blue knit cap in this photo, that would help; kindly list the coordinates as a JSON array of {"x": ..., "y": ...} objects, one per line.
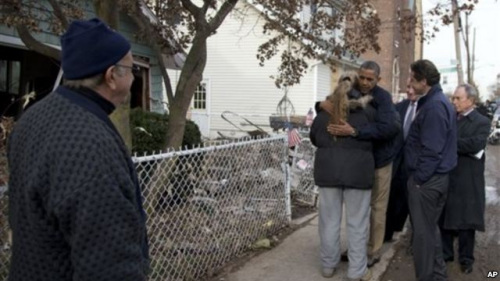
[{"x": 89, "y": 47}]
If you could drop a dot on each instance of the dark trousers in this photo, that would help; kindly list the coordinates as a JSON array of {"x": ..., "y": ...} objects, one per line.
[
  {"x": 426, "y": 203},
  {"x": 466, "y": 240},
  {"x": 397, "y": 208}
]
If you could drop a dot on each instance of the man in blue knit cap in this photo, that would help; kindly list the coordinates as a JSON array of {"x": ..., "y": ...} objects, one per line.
[{"x": 75, "y": 205}]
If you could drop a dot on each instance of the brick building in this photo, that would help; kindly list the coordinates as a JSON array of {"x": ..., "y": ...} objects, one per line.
[{"x": 396, "y": 53}]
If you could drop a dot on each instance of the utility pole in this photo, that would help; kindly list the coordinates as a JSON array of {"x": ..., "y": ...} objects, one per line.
[
  {"x": 470, "y": 55},
  {"x": 473, "y": 62},
  {"x": 467, "y": 49},
  {"x": 458, "y": 50}
]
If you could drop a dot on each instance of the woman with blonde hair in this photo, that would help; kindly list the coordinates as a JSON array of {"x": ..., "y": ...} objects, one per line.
[{"x": 344, "y": 170}]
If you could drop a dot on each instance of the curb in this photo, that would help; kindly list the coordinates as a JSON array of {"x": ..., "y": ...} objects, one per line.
[{"x": 381, "y": 267}]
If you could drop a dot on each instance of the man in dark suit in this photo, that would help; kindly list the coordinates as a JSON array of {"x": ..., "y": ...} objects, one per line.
[
  {"x": 397, "y": 209},
  {"x": 464, "y": 210}
]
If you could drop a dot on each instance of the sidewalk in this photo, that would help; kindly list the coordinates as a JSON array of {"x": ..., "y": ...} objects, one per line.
[{"x": 297, "y": 258}]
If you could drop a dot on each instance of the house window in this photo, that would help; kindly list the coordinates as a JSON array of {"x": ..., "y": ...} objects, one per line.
[
  {"x": 200, "y": 96},
  {"x": 10, "y": 75}
]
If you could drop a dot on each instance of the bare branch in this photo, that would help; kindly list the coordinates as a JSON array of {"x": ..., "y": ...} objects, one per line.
[
  {"x": 205, "y": 7},
  {"x": 225, "y": 9},
  {"x": 59, "y": 13},
  {"x": 188, "y": 5},
  {"x": 33, "y": 44}
]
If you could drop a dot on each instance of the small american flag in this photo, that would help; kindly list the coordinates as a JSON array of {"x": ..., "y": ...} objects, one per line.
[
  {"x": 309, "y": 117},
  {"x": 293, "y": 136}
]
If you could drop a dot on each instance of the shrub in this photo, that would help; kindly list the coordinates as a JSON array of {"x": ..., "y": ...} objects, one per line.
[{"x": 149, "y": 131}]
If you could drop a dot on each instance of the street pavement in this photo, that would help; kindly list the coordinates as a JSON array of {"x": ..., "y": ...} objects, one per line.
[{"x": 297, "y": 258}]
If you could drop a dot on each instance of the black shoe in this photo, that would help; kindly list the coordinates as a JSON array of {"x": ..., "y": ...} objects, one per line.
[
  {"x": 466, "y": 268},
  {"x": 372, "y": 261},
  {"x": 344, "y": 256}
]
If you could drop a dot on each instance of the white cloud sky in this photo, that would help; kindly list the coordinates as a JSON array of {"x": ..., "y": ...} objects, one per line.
[{"x": 486, "y": 20}]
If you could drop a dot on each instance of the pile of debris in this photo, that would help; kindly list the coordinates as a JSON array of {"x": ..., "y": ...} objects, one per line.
[{"x": 208, "y": 208}]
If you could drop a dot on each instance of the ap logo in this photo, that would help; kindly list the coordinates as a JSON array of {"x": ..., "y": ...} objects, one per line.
[{"x": 492, "y": 274}]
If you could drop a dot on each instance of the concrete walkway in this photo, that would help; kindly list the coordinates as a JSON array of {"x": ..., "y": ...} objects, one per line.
[{"x": 297, "y": 258}]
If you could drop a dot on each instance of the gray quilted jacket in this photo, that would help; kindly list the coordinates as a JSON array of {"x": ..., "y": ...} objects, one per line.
[{"x": 75, "y": 208}]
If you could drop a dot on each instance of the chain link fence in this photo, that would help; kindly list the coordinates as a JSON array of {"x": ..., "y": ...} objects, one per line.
[
  {"x": 5, "y": 128},
  {"x": 207, "y": 205},
  {"x": 5, "y": 241},
  {"x": 302, "y": 184}
]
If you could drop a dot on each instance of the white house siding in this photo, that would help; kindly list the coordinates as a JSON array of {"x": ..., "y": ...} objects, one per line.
[
  {"x": 237, "y": 82},
  {"x": 323, "y": 82}
]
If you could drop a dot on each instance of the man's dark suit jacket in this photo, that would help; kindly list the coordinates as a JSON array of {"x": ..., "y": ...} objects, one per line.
[{"x": 397, "y": 209}]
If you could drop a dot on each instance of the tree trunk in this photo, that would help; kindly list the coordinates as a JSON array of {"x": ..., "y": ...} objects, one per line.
[
  {"x": 190, "y": 77},
  {"x": 107, "y": 11},
  {"x": 193, "y": 68},
  {"x": 189, "y": 80}
]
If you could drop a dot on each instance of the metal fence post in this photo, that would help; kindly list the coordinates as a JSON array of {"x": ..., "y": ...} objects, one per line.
[{"x": 288, "y": 179}]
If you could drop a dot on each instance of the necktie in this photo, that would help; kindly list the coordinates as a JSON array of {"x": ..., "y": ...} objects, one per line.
[
  {"x": 460, "y": 116},
  {"x": 409, "y": 119}
]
